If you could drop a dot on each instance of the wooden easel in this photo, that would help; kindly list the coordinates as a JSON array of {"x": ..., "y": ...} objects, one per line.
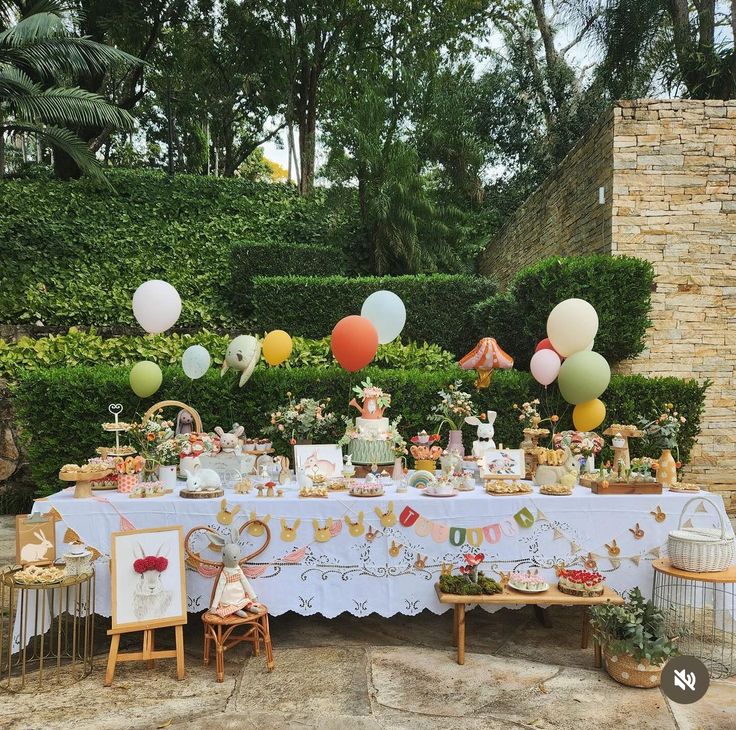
[{"x": 148, "y": 654}]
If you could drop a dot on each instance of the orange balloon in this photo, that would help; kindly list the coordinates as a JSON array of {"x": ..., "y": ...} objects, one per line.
[{"x": 354, "y": 342}]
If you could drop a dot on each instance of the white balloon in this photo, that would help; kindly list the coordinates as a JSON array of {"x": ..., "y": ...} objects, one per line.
[
  {"x": 156, "y": 305},
  {"x": 196, "y": 361},
  {"x": 571, "y": 326},
  {"x": 387, "y": 314}
]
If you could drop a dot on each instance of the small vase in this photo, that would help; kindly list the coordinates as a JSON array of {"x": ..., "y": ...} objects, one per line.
[
  {"x": 666, "y": 469},
  {"x": 128, "y": 482},
  {"x": 398, "y": 473},
  {"x": 455, "y": 443},
  {"x": 167, "y": 476},
  {"x": 590, "y": 464}
]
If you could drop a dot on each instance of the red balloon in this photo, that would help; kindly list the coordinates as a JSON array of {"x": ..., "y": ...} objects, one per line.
[
  {"x": 545, "y": 344},
  {"x": 354, "y": 342}
]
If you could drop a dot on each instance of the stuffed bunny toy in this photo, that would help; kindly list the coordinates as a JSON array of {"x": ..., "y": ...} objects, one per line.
[
  {"x": 229, "y": 442},
  {"x": 484, "y": 436},
  {"x": 234, "y": 594},
  {"x": 184, "y": 423}
]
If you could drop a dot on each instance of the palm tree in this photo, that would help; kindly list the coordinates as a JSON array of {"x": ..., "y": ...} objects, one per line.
[{"x": 40, "y": 59}]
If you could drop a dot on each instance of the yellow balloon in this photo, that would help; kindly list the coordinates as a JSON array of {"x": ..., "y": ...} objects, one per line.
[
  {"x": 276, "y": 347},
  {"x": 145, "y": 378},
  {"x": 588, "y": 415}
]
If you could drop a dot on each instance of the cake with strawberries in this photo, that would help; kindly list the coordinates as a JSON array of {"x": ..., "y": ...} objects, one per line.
[{"x": 581, "y": 582}]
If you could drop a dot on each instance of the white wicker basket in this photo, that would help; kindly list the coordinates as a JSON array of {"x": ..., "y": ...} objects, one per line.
[{"x": 701, "y": 550}]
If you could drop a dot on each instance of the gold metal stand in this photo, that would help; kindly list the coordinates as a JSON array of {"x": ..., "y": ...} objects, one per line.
[{"x": 46, "y": 631}]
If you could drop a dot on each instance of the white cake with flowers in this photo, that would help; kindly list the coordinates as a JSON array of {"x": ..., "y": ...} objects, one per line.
[{"x": 371, "y": 438}]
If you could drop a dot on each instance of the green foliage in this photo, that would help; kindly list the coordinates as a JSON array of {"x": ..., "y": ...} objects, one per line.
[
  {"x": 278, "y": 259},
  {"x": 637, "y": 628},
  {"x": 619, "y": 287},
  {"x": 88, "y": 348},
  {"x": 460, "y": 585},
  {"x": 437, "y": 305},
  {"x": 60, "y": 409},
  {"x": 74, "y": 255}
]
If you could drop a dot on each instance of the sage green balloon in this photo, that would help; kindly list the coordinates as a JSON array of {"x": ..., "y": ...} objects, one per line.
[
  {"x": 145, "y": 378},
  {"x": 583, "y": 377}
]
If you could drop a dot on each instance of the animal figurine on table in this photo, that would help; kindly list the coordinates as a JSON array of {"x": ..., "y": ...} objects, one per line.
[
  {"x": 243, "y": 354},
  {"x": 556, "y": 466},
  {"x": 184, "y": 424},
  {"x": 484, "y": 436},
  {"x": 229, "y": 442},
  {"x": 202, "y": 479},
  {"x": 150, "y": 598},
  {"x": 234, "y": 594}
]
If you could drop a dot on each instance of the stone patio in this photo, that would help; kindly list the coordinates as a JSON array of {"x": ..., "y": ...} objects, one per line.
[{"x": 372, "y": 673}]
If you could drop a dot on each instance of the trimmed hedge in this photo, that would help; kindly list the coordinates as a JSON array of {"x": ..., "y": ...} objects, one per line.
[
  {"x": 619, "y": 287},
  {"x": 60, "y": 409},
  {"x": 277, "y": 259},
  {"x": 438, "y": 306},
  {"x": 73, "y": 253},
  {"x": 88, "y": 348}
]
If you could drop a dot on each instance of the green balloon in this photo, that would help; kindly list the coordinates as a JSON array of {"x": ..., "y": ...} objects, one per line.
[
  {"x": 583, "y": 377},
  {"x": 145, "y": 378}
]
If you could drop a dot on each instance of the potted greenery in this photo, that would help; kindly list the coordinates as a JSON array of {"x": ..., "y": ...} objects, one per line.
[{"x": 633, "y": 640}]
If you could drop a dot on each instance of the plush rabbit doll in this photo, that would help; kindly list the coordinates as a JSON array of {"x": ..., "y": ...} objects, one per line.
[
  {"x": 484, "y": 437},
  {"x": 234, "y": 594}
]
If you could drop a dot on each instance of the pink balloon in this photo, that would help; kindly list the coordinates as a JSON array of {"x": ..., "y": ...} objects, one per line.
[
  {"x": 545, "y": 366},
  {"x": 545, "y": 344}
]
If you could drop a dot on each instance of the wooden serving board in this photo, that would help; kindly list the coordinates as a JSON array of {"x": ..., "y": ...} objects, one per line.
[
  {"x": 210, "y": 494},
  {"x": 626, "y": 488}
]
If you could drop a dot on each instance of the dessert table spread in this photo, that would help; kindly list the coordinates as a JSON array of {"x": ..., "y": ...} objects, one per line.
[{"x": 384, "y": 554}]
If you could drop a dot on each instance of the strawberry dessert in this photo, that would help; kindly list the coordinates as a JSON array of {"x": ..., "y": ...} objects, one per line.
[{"x": 581, "y": 583}]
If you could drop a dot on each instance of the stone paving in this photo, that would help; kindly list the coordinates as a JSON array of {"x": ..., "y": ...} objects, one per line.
[{"x": 373, "y": 673}]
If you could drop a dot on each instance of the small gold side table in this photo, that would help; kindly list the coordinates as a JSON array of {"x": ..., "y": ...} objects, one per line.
[{"x": 45, "y": 630}]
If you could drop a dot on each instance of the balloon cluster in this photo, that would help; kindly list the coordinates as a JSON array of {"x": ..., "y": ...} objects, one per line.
[
  {"x": 355, "y": 338},
  {"x": 566, "y": 354}
]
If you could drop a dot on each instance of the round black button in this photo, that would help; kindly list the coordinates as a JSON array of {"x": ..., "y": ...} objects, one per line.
[{"x": 685, "y": 679}]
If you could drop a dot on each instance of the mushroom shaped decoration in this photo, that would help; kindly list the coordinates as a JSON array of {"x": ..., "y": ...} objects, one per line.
[{"x": 483, "y": 358}]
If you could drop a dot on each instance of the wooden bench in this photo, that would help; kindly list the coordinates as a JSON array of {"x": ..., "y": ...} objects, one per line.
[{"x": 551, "y": 597}]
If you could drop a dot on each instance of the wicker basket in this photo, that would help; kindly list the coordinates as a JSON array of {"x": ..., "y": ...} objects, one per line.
[
  {"x": 701, "y": 550},
  {"x": 626, "y": 670}
]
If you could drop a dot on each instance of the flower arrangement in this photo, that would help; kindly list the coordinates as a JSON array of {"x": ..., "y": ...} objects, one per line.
[
  {"x": 637, "y": 628},
  {"x": 471, "y": 581},
  {"x": 454, "y": 407},
  {"x": 367, "y": 390},
  {"x": 580, "y": 443},
  {"x": 661, "y": 430},
  {"x": 530, "y": 417},
  {"x": 148, "y": 436},
  {"x": 150, "y": 562},
  {"x": 304, "y": 419},
  {"x": 167, "y": 452}
]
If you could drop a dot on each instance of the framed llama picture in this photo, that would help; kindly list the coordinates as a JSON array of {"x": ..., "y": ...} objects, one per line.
[
  {"x": 324, "y": 459},
  {"x": 35, "y": 539},
  {"x": 148, "y": 584},
  {"x": 505, "y": 463}
]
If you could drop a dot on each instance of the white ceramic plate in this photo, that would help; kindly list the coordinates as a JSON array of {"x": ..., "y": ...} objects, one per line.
[
  {"x": 521, "y": 589},
  {"x": 454, "y": 493}
]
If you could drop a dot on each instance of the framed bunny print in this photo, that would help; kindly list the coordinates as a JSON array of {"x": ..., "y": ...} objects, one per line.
[
  {"x": 148, "y": 584},
  {"x": 325, "y": 459},
  {"x": 504, "y": 463},
  {"x": 35, "y": 539}
]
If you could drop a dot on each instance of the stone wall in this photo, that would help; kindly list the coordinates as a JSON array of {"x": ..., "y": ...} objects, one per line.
[
  {"x": 673, "y": 202},
  {"x": 564, "y": 217}
]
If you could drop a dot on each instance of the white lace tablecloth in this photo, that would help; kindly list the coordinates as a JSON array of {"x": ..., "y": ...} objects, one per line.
[{"x": 384, "y": 555}]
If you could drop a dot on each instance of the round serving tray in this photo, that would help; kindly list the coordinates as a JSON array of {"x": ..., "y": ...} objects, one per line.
[{"x": 209, "y": 494}]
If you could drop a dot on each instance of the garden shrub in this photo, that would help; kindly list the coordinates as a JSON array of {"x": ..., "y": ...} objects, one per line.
[
  {"x": 619, "y": 287},
  {"x": 277, "y": 259},
  {"x": 60, "y": 409},
  {"x": 73, "y": 253},
  {"x": 88, "y": 348},
  {"x": 438, "y": 306}
]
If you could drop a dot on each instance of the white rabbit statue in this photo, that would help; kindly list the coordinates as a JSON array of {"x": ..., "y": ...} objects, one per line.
[
  {"x": 484, "y": 437},
  {"x": 34, "y": 552},
  {"x": 234, "y": 594},
  {"x": 201, "y": 479}
]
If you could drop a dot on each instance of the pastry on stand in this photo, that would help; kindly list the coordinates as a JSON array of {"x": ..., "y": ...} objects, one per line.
[{"x": 83, "y": 476}]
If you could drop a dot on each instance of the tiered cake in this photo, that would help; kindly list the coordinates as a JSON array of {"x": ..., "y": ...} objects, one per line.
[{"x": 371, "y": 440}]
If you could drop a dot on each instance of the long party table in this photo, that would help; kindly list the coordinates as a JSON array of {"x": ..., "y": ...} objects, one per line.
[{"x": 383, "y": 555}]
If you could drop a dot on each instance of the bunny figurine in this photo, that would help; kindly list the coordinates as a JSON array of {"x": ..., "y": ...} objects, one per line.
[
  {"x": 229, "y": 442},
  {"x": 202, "y": 479},
  {"x": 234, "y": 594},
  {"x": 484, "y": 437}
]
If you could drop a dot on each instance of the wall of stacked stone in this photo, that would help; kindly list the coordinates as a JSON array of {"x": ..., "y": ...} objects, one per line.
[
  {"x": 673, "y": 202},
  {"x": 564, "y": 216}
]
